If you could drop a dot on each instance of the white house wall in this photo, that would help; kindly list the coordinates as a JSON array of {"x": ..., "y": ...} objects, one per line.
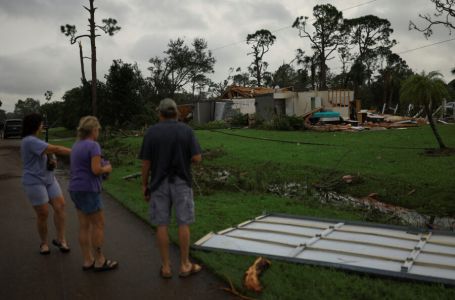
[
  {"x": 296, "y": 105},
  {"x": 245, "y": 106},
  {"x": 302, "y": 104}
]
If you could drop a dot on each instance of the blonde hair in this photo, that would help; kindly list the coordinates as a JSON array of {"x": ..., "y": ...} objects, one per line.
[{"x": 86, "y": 126}]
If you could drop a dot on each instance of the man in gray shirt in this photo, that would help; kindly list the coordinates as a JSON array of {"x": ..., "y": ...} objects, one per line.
[{"x": 167, "y": 151}]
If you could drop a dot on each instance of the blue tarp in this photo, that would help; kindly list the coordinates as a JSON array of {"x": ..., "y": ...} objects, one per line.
[{"x": 326, "y": 114}]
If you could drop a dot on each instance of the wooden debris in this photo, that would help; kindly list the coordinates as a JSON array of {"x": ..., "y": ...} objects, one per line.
[
  {"x": 251, "y": 280},
  {"x": 348, "y": 178},
  {"x": 411, "y": 192},
  {"x": 234, "y": 292},
  {"x": 132, "y": 176},
  {"x": 382, "y": 122}
]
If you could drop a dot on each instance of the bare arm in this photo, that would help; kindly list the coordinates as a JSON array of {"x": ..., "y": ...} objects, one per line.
[
  {"x": 97, "y": 169},
  {"x": 196, "y": 158},
  {"x": 59, "y": 150},
  {"x": 145, "y": 171}
]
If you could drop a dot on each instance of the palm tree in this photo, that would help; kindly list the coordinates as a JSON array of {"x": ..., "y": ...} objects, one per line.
[{"x": 427, "y": 90}]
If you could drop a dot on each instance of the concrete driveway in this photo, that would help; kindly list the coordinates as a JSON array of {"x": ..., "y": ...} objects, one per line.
[{"x": 24, "y": 274}]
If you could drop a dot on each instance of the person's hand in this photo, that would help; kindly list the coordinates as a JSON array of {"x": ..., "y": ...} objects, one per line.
[
  {"x": 107, "y": 168},
  {"x": 146, "y": 193}
]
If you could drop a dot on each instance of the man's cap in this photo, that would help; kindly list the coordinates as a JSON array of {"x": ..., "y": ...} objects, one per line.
[{"x": 167, "y": 105}]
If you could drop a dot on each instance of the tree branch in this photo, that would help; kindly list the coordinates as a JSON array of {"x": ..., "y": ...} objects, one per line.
[
  {"x": 73, "y": 40},
  {"x": 442, "y": 8}
]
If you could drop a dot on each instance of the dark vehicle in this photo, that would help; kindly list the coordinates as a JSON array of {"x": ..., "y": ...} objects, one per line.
[{"x": 12, "y": 127}]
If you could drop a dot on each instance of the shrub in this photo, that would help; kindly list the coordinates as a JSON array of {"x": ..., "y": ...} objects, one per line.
[
  {"x": 210, "y": 125},
  {"x": 286, "y": 123},
  {"x": 239, "y": 120}
]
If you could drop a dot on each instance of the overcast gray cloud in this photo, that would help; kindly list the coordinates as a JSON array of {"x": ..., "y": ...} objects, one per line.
[{"x": 35, "y": 56}]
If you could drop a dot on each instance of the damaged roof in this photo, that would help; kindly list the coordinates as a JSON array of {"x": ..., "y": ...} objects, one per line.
[{"x": 235, "y": 91}]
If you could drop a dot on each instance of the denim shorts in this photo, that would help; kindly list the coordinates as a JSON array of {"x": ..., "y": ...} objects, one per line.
[
  {"x": 177, "y": 194},
  {"x": 39, "y": 194},
  {"x": 87, "y": 202}
]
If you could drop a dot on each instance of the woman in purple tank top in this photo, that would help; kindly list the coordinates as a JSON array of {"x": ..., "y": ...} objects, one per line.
[{"x": 87, "y": 170}]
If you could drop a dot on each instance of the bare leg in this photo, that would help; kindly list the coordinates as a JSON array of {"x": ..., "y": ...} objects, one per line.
[
  {"x": 162, "y": 237},
  {"x": 84, "y": 239},
  {"x": 42, "y": 212},
  {"x": 97, "y": 236},
  {"x": 184, "y": 241},
  {"x": 59, "y": 218}
]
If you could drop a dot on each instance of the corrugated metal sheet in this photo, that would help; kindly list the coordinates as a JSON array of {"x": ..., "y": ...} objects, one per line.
[{"x": 373, "y": 248}]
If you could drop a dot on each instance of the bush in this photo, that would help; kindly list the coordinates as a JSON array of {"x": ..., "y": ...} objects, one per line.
[
  {"x": 210, "y": 125},
  {"x": 239, "y": 120},
  {"x": 257, "y": 121},
  {"x": 285, "y": 123}
]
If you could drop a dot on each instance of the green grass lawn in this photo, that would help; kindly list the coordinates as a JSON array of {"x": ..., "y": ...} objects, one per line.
[
  {"x": 61, "y": 136},
  {"x": 384, "y": 162},
  {"x": 392, "y": 173},
  {"x": 283, "y": 280}
]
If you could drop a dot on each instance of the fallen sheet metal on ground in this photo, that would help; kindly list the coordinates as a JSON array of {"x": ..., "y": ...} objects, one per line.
[{"x": 384, "y": 250}]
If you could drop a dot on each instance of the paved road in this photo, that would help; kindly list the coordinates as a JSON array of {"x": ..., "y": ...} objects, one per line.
[{"x": 24, "y": 274}]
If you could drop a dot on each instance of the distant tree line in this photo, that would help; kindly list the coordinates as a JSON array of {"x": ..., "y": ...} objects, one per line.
[{"x": 126, "y": 98}]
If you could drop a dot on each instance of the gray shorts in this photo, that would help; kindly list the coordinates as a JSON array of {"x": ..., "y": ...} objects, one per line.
[
  {"x": 39, "y": 194},
  {"x": 177, "y": 194}
]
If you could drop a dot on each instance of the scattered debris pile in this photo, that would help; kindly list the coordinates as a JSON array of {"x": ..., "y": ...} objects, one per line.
[
  {"x": 370, "y": 203},
  {"x": 285, "y": 190},
  {"x": 320, "y": 120},
  {"x": 404, "y": 215}
]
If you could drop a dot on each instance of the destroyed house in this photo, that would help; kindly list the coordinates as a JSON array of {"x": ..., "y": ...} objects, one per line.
[{"x": 268, "y": 102}]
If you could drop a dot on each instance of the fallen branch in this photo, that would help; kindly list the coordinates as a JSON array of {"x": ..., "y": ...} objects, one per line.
[
  {"x": 234, "y": 292},
  {"x": 132, "y": 176},
  {"x": 251, "y": 280}
]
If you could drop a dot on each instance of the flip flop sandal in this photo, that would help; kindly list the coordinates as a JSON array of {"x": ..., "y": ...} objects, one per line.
[
  {"x": 88, "y": 268},
  {"x": 195, "y": 268},
  {"x": 59, "y": 245},
  {"x": 165, "y": 275},
  {"x": 107, "y": 266},
  {"x": 44, "y": 252}
]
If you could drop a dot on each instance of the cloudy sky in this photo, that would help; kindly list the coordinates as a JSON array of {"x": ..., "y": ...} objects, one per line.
[{"x": 35, "y": 56}]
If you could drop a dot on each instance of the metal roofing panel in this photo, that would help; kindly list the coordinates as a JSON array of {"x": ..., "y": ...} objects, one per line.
[
  {"x": 374, "y": 248},
  {"x": 350, "y": 260}
]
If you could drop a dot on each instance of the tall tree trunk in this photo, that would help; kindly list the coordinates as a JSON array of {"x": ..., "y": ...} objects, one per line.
[
  {"x": 323, "y": 75},
  {"x": 433, "y": 127},
  {"x": 313, "y": 75},
  {"x": 258, "y": 72},
  {"x": 390, "y": 90},
  {"x": 385, "y": 88},
  {"x": 81, "y": 55},
  {"x": 193, "y": 88},
  {"x": 391, "y": 93},
  {"x": 93, "y": 48}
]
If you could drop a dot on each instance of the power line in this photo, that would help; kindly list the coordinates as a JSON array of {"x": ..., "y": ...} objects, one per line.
[
  {"x": 411, "y": 50},
  {"x": 426, "y": 46},
  {"x": 290, "y": 26},
  {"x": 307, "y": 143}
]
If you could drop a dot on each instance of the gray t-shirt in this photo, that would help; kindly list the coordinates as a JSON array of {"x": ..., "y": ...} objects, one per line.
[
  {"x": 169, "y": 146},
  {"x": 34, "y": 161}
]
